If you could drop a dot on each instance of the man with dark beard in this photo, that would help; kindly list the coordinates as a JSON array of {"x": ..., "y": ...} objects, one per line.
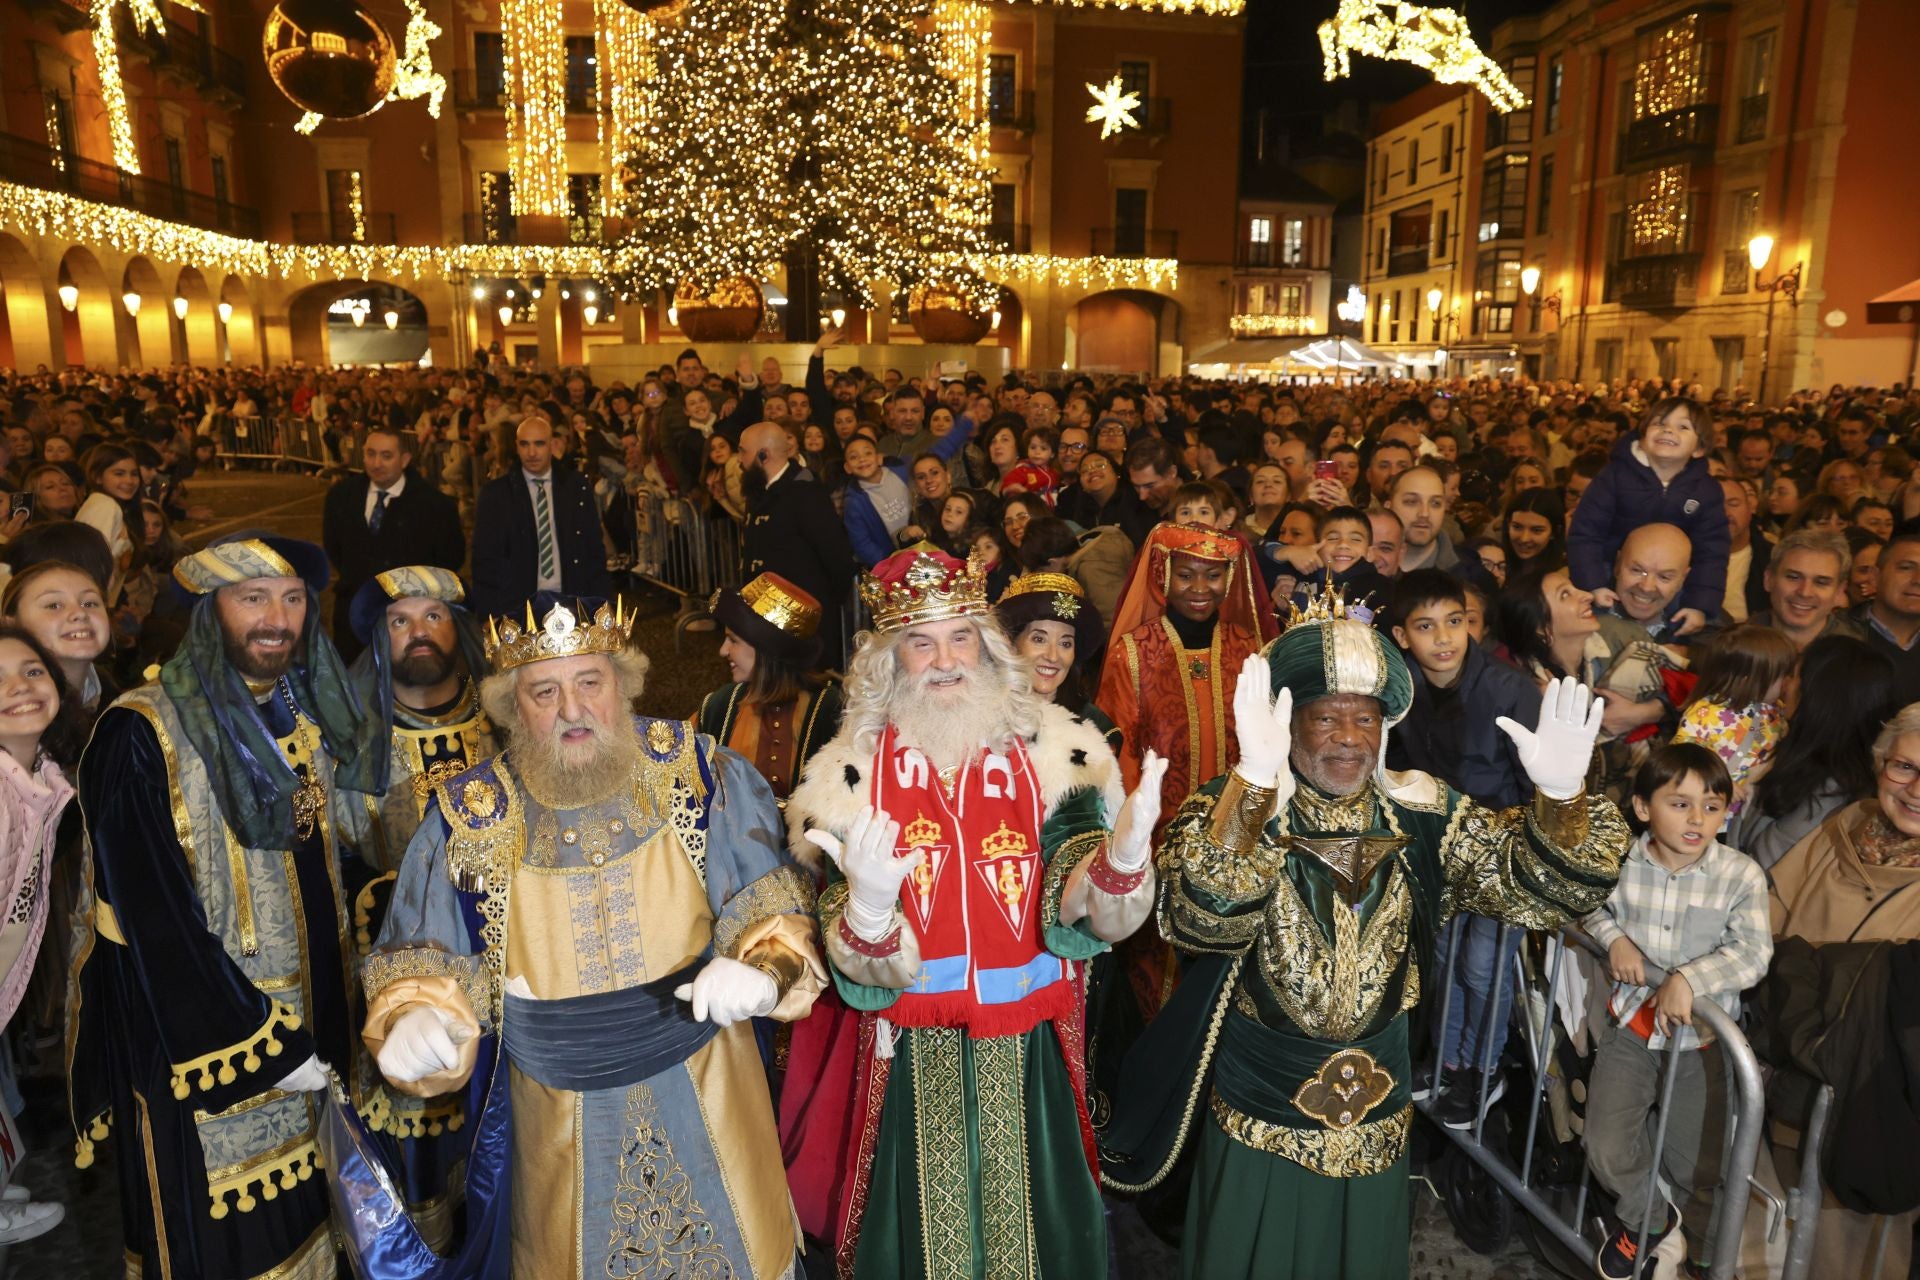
[
  {"x": 421, "y": 659},
  {"x": 606, "y": 905},
  {"x": 983, "y": 851},
  {"x": 419, "y": 676},
  {"x": 1307, "y": 885},
  {"x": 212, "y": 992}
]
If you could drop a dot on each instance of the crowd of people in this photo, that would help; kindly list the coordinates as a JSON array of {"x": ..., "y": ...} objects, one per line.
[{"x": 1094, "y": 750}]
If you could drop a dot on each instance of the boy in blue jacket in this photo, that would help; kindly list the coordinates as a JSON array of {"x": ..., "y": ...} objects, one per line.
[
  {"x": 1459, "y": 691},
  {"x": 1657, "y": 477}
]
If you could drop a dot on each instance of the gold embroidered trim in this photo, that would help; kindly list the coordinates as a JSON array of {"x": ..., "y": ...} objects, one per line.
[
  {"x": 1241, "y": 814},
  {"x": 1334, "y": 992},
  {"x": 218, "y": 1065},
  {"x": 1187, "y": 924},
  {"x": 1343, "y": 1153},
  {"x": 947, "y": 1234},
  {"x": 999, "y": 1073},
  {"x": 311, "y": 1261},
  {"x": 182, "y": 821},
  {"x": 281, "y": 1169},
  {"x": 153, "y": 1186},
  {"x": 480, "y": 859},
  {"x": 384, "y": 968},
  {"x": 405, "y": 1117},
  {"x": 1188, "y": 849},
  {"x": 1200, "y": 1077},
  {"x": 1060, "y": 864},
  {"x": 785, "y": 890},
  {"x": 1349, "y": 813},
  {"x": 658, "y": 1225}
]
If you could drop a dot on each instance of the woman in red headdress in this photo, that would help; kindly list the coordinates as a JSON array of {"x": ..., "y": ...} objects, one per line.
[{"x": 1192, "y": 612}]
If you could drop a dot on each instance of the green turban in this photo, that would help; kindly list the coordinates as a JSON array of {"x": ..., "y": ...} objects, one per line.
[{"x": 1318, "y": 657}]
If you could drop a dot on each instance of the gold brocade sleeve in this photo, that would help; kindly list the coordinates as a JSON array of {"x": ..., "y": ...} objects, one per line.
[
  {"x": 786, "y": 949},
  {"x": 442, "y": 992},
  {"x": 1211, "y": 888},
  {"x": 1113, "y": 905},
  {"x": 1538, "y": 866}
]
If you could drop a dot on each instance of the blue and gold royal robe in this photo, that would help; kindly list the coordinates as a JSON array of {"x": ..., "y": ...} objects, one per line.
[{"x": 680, "y": 1171}]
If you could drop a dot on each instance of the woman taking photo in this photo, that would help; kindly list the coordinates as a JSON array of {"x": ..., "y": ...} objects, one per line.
[{"x": 41, "y": 738}]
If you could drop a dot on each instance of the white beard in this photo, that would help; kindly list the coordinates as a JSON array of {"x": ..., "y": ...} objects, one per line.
[
  {"x": 573, "y": 777},
  {"x": 950, "y": 727}
]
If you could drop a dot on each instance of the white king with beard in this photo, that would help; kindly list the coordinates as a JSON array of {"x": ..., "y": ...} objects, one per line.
[
  {"x": 588, "y": 921},
  {"x": 982, "y": 852}
]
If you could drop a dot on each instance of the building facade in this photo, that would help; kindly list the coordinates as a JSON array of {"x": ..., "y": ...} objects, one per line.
[
  {"x": 1283, "y": 256},
  {"x": 176, "y": 177},
  {"x": 1413, "y": 272},
  {"x": 1661, "y": 141}
]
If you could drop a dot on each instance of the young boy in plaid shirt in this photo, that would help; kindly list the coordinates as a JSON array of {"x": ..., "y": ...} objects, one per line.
[{"x": 1697, "y": 909}]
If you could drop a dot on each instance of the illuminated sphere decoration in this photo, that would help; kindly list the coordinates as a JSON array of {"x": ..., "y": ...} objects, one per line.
[
  {"x": 329, "y": 56},
  {"x": 731, "y": 313},
  {"x": 944, "y": 315}
]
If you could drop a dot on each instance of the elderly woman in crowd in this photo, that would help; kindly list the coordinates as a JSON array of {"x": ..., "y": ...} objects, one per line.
[{"x": 1855, "y": 880}]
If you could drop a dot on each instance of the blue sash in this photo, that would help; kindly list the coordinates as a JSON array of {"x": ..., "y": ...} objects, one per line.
[{"x": 605, "y": 1041}]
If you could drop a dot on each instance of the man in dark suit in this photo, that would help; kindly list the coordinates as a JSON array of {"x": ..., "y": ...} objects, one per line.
[
  {"x": 535, "y": 529},
  {"x": 792, "y": 528},
  {"x": 388, "y": 517}
]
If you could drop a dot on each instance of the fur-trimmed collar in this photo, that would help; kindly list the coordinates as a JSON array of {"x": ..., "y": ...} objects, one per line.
[{"x": 1068, "y": 752}]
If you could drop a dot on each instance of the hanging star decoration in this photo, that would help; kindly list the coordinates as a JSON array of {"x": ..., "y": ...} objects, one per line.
[
  {"x": 413, "y": 73},
  {"x": 1113, "y": 107},
  {"x": 1434, "y": 39}
]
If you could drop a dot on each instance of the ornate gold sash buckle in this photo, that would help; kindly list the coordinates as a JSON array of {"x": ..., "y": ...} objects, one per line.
[
  {"x": 1351, "y": 859},
  {"x": 1347, "y": 1086}
]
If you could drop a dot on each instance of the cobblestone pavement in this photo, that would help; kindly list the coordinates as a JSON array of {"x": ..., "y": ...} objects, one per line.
[{"x": 87, "y": 1243}]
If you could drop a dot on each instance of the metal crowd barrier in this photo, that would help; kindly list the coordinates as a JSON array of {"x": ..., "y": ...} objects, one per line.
[
  {"x": 292, "y": 443},
  {"x": 1561, "y": 1209},
  {"x": 685, "y": 548}
]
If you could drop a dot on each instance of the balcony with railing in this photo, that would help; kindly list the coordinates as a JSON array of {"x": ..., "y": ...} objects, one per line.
[
  {"x": 1011, "y": 111},
  {"x": 1406, "y": 259},
  {"x": 479, "y": 90},
  {"x": 1135, "y": 242},
  {"x": 188, "y": 58},
  {"x": 325, "y": 228},
  {"x": 35, "y": 164},
  {"x": 1674, "y": 137},
  {"x": 1662, "y": 282},
  {"x": 1753, "y": 118},
  {"x": 1736, "y": 272},
  {"x": 1155, "y": 116},
  {"x": 499, "y": 227}
]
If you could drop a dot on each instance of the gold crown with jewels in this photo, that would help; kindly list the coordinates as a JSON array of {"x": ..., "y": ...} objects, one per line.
[
  {"x": 1330, "y": 604},
  {"x": 928, "y": 591},
  {"x": 561, "y": 634},
  {"x": 921, "y": 831},
  {"x": 1004, "y": 843}
]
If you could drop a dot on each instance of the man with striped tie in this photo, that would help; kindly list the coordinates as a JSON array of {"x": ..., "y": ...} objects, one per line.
[{"x": 536, "y": 529}]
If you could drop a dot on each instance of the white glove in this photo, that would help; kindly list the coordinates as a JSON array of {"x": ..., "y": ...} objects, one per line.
[
  {"x": 726, "y": 992},
  {"x": 1264, "y": 726},
  {"x": 1557, "y": 752},
  {"x": 1132, "y": 840},
  {"x": 419, "y": 1044},
  {"x": 308, "y": 1077},
  {"x": 873, "y": 874}
]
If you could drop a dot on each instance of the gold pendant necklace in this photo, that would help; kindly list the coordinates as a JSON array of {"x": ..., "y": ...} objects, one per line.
[{"x": 309, "y": 797}]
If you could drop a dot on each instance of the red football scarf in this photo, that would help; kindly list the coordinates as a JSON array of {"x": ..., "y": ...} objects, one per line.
[{"x": 975, "y": 902}]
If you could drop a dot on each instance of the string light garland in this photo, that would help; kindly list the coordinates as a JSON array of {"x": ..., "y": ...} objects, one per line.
[
  {"x": 535, "y": 51},
  {"x": 413, "y": 73},
  {"x": 1267, "y": 326},
  {"x": 1113, "y": 107},
  {"x": 106, "y": 56},
  {"x": 1434, "y": 39},
  {"x": 1673, "y": 74},
  {"x": 32, "y": 211},
  {"x": 56, "y": 141}
]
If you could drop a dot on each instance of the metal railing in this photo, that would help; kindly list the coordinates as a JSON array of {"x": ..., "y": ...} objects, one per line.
[
  {"x": 691, "y": 549},
  {"x": 277, "y": 444},
  {"x": 1009, "y": 237},
  {"x": 479, "y": 90},
  {"x": 1539, "y": 1182},
  {"x": 1011, "y": 110},
  {"x": 1752, "y": 124},
  {"x": 324, "y": 228},
  {"x": 1135, "y": 242},
  {"x": 35, "y": 164},
  {"x": 1685, "y": 134}
]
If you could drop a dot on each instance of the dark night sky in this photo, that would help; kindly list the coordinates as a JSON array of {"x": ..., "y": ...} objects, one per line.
[{"x": 1283, "y": 65}]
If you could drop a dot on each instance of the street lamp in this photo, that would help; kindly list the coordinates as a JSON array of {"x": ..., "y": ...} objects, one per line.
[
  {"x": 69, "y": 295},
  {"x": 179, "y": 307},
  {"x": 506, "y": 314},
  {"x": 1529, "y": 282},
  {"x": 590, "y": 313},
  {"x": 1352, "y": 311},
  {"x": 1759, "y": 249},
  {"x": 131, "y": 301},
  {"x": 226, "y": 311},
  {"x": 392, "y": 318}
]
